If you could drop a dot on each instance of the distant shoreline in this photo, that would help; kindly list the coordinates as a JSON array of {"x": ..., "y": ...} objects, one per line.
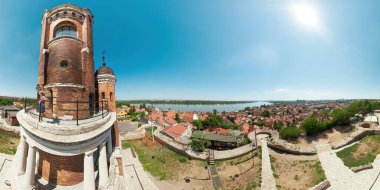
[{"x": 181, "y": 102}]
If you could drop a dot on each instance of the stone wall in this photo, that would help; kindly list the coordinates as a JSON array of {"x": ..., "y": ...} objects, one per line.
[
  {"x": 276, "y": 143},
  {"x": 355, "y": 136},
  {"x": 186, "y": 150}
]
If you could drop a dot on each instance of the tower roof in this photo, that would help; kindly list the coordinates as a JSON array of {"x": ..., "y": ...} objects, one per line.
[{"x": 104, "y": 69}]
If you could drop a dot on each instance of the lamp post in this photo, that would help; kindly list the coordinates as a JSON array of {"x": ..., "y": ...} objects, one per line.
[{"x": 152, "y": 131}]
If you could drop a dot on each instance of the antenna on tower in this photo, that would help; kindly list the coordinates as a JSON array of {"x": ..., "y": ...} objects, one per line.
[{"x": 104, "y": 57}]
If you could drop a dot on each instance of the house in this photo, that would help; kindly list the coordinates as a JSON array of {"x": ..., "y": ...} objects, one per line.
[
  {"x": 18, "y": 104},
  {"x": 219, "y": 130},
  {"x": 203, "y": 117},
  {"x": 218, "y": 141},
  {"x": 169, "y": 121},
  {"x": 12, "y": 119},
  {"x": 177, "y": 131},
  {"x": 187, "y": 117},
  {"x": 121, "y": 113},
  {"x": 170, "y": 114},
  {"x": 7, "y": 109},
  {"x": 245, "y": 128},
  {"x": 9, "y": 114}
]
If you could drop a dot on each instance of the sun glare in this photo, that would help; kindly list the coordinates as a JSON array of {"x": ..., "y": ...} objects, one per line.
[{"x": 306, "y": 15}]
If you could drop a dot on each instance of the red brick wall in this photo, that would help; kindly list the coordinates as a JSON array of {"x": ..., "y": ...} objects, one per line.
[
  {"x": 115, "y": 135},
  {"x": 65, "y": 49},
  {"x": 107, "y": 88},
  {"x": 61, "y": 170},
  {"x": 77, "y": 52}
]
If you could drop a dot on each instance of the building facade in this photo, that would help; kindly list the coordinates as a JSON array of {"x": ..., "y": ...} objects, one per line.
[{"x": 72, "y": 143}]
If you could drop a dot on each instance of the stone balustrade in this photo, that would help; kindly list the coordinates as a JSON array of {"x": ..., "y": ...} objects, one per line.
[{"x": 277, "y": 143}]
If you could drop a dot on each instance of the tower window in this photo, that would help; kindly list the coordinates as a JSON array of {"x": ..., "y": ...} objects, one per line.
[
  {"x": 65, "y": 31},
  {"x": 64, "y": 64}
]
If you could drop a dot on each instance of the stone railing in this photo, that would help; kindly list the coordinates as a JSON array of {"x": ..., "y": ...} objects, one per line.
[
  {"x": 361, "y": 168},
  {"x": 187, "y": 151},
  {"x": 277, "y": 143},
  {"x": 355, "y": 136},
  {"x": 322, "y": 186},
  {"x": 138, "y": 134}
]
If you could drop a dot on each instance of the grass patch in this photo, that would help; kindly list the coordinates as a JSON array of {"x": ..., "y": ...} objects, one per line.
[
  {"x": 319, "y": 173},
  {"x": 165, "y": 164},
  {"x": 296, "y": 174},
  {"x": 8, "y": 142},
  {"x": 149, "y": 129},
  {"x": 362, "y": 153},
  {"x": 252, "y": 186}
]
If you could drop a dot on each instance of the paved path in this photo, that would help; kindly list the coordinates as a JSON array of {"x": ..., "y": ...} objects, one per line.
[
  {"x": 135, "y": 176},
  {"x": 5, "y": 167},
  {"x": 268, "y": 181},
  {"x": 341, "y": 177},
  {"x": 215, "y": 177}
]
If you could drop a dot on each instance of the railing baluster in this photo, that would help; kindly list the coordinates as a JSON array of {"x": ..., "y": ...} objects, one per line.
[
  {"x": 77, "y": 113},
  {"x": 102, "y": 108},
  {"x": 25, "y": 103}
]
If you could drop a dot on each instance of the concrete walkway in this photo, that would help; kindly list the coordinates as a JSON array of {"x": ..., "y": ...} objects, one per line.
[
  {"x": 268, "y": 181},
  {"x": 5, "y": 169},
  {"x": 341, "y": 177},
  {"x": 135, "y": 176}
]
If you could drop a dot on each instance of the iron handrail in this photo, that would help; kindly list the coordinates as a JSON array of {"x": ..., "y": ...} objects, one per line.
[{"x": 92, "y": 112}]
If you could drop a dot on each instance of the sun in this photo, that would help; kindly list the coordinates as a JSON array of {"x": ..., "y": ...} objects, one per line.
[{"x": 306, "y": 15}]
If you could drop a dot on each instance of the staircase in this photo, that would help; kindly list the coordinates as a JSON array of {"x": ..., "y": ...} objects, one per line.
[{"x": 211, "y": 160}]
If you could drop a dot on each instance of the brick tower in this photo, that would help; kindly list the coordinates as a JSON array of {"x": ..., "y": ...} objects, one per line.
[
  {"x": 105, "y": 92},
  {"x": 71, "y": 145},
  {"x": 66, "y": 61}
]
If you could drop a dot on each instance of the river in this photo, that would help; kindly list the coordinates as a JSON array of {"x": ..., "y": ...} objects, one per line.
[{"x": 208, "y": 107}]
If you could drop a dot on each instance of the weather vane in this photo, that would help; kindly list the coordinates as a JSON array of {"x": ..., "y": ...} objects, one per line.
[{"x": 104, "y": 57}]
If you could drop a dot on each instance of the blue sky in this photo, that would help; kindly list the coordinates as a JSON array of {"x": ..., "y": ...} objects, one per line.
[{"x": 211, "y": 49}]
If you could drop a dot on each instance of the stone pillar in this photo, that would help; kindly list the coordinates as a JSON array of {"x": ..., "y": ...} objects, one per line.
[
  {"x": 22, "y": 156},
  {"x": 30, "y": 168},
  {"x": 103, "y": 168},
  {"x": 37, "y": 161},
  {"x": 109, "y": 145},
  {"x": 88, "y": 170}
]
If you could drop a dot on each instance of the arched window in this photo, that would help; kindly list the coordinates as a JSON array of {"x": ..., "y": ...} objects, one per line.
[
  {"x": 111, "y": 96},
  {"x": 65, "y": 31},
  {"x": 103, "y": 95}
]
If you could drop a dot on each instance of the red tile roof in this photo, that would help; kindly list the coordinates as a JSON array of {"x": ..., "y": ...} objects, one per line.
[
  {"x": 187, "y": 117},
  {"x": 174, "y": 131},
  {"x": 218, "y": 130}
]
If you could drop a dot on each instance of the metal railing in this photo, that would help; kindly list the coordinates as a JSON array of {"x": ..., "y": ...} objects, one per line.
[{"x": 94, "y": 109}]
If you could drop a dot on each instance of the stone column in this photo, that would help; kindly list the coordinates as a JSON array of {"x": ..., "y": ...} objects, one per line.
[
  {"x": 37, "y": 161},
  {"x": 89, "y": 174},
  {"x": 103, "y": 168},
  {"x": 22, "y": 156},
  {"x": 30, "y": 168},
  {"x": 109, "y": 145}
]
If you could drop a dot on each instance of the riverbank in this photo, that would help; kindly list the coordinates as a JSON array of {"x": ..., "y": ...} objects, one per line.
[{"x": 220, "y": 107}]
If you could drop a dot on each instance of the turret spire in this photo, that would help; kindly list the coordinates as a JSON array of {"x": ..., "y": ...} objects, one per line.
[{"x": 104, "y": 58}]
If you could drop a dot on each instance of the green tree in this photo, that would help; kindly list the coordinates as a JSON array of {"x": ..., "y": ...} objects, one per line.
[
  {"x": 198, "y": 124},
  {"x": 310, "y": 125},
  {"x": 177, "y": 119},
  {"x": 290, "y": 133},
  {"x": 278, "y": 125},
  {"x": 260, "y": 123},
  {"x": 341, "y": 117},
  {"x": 265, "y": 113}
]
